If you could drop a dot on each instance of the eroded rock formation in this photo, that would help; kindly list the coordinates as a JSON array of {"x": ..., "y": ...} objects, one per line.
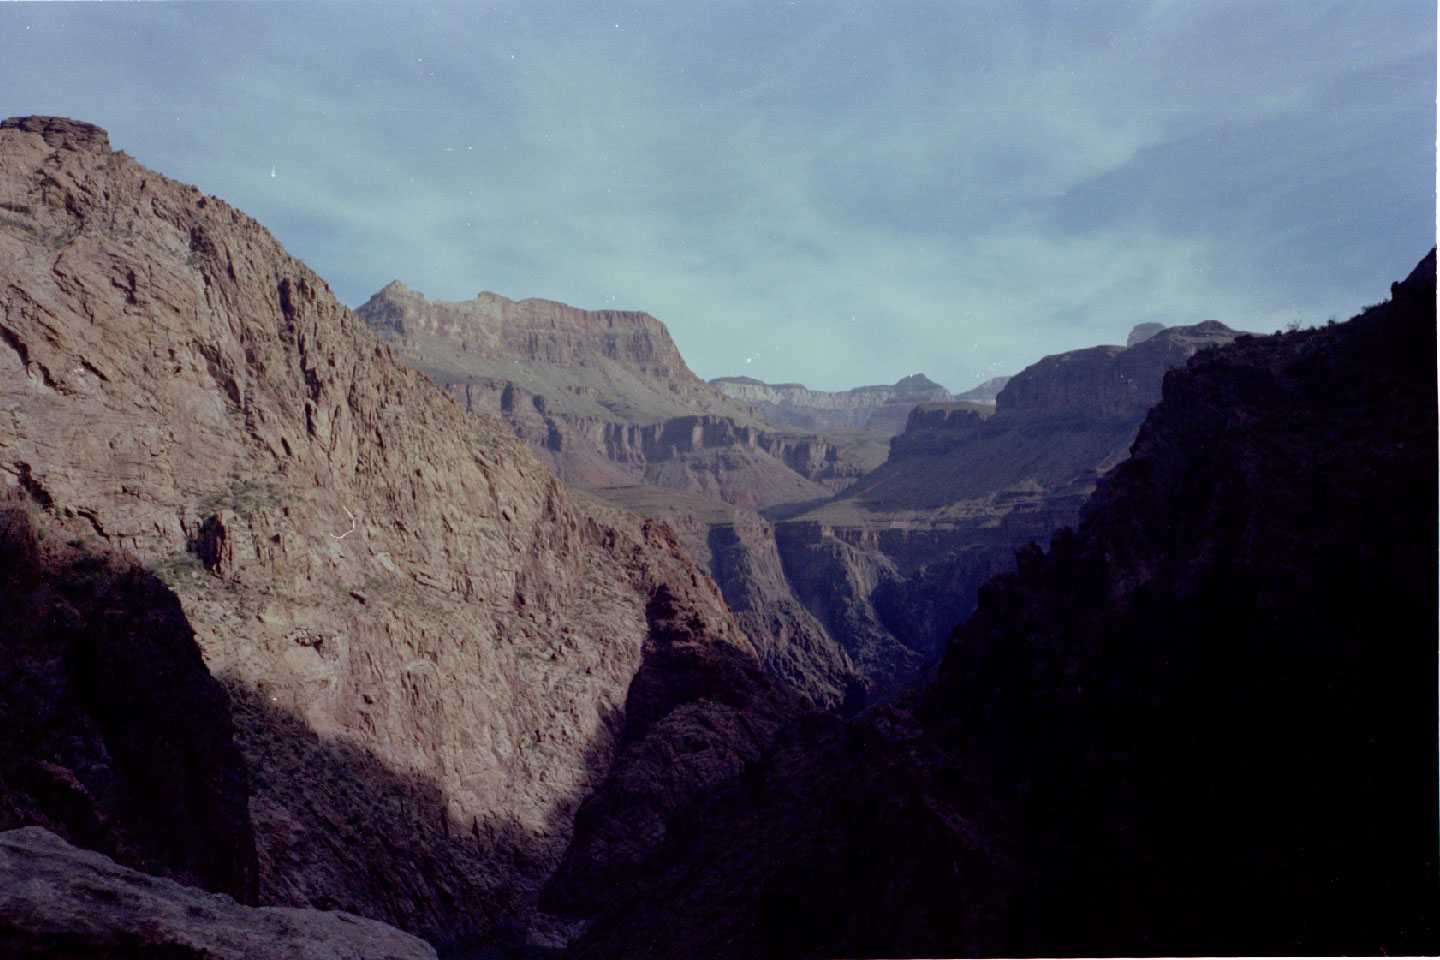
[
  {"x": 894, "y": 562},
  {"x": 429, "y": 643},
  {"x": 605, "y": 399},
  {"x": 112, "y": 732}
]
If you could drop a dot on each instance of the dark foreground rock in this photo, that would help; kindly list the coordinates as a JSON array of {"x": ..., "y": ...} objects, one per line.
[
  {"x": 1210, "y": 711},
  {"x": 112, "y": 732},
  {"x": 1201, "y": 724},
  {"x": 62, "y": 903}
]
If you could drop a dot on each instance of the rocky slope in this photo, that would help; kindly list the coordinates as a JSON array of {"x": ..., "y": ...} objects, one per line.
[
  {"x": 68, "y": 904},
  {"x": 892, "y": 564},
  {"x": 881, "y": 409},
  {"x": 1201, "y": 724},
  {"x": 429, "y": 645}
]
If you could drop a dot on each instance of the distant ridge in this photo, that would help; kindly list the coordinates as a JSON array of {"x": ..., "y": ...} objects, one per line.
[{"x": 879, "y": 407}]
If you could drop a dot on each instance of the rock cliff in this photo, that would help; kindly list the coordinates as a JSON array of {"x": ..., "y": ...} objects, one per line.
[
  {"x": 1227, "y": 670},
  {"x": 429, "y": 644},
  {"x": 67, "y": 904},
  {"x": 881, "y": 409},
  {"x": 605, "y": 399},
  {"x": 1202, "y": 723},
  {"x": 890, "y": 565},
  {"x": 1107, "y": 381}
]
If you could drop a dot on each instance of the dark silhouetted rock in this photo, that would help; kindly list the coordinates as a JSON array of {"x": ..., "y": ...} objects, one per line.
[
  {"x": 1202, "y": 723},
  {"x": 112, "y": 732},
  {"x": 67, "y": 904}
]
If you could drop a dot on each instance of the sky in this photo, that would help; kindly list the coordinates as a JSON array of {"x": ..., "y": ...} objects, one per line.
[{"x": 834, "y": 193}]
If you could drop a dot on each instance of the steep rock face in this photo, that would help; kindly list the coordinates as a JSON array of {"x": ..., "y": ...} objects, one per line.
[
  {"x": 68, "y": 904},
  {"x": 490, "y": 327},
  {"x": 737, "y": 546},
  {"x": 891, "y": 565},
  {"x": 877, "y": 408},
  {"x": 1201, "y": 724},
  {"x": 696, "y": 714},
  {"x": 112, "y": 732},
  {"x": 428, "y": 642}
]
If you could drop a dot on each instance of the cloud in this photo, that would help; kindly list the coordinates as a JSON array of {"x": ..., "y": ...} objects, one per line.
[{"x": 837, "y": 192}]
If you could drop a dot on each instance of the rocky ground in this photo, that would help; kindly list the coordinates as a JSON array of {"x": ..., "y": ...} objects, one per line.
[{"x": 66, "y": 904}]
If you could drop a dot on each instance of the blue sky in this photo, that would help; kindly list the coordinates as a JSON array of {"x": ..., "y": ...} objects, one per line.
[{"x": 827, "y": 192}]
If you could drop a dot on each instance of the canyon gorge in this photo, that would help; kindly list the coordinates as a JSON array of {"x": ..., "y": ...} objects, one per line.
[{"x": 487, "y": 628}]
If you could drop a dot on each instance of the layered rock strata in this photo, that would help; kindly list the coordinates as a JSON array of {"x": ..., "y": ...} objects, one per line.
[
  {"x": 605, "y": 397},
  {"x": 890, "y": 565},
  {"x": 881, "y": 409}
]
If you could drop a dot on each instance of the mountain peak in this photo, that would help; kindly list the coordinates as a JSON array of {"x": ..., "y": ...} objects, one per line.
[{"x": 915, "y": 383}]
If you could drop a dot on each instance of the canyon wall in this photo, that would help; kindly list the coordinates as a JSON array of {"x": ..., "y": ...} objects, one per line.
[
  {"x": 428, "y": 644},
  {"x": 893, "y": 563}
]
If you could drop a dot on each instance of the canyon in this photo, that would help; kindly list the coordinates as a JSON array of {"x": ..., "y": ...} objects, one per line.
[
  {"x": 847, "y": 555},
  {"x": 1200, "y": 723},
  {"x": 488, "y": 629}
]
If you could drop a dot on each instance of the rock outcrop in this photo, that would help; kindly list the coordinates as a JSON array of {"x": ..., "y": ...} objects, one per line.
[
  {"x": 889, "y": 566},
  {"x": 1107, "y": 381},
  {"x": 1227, "y": 671},
  {"x": 881, "y": 409},
  {"x": 112, "y": 732},
  {"x": 605, "y": 398},
  {"x": 1202, "y": 723},
  {"x": 67, "y": 904},
  {"x": 429, "y": 644}
]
